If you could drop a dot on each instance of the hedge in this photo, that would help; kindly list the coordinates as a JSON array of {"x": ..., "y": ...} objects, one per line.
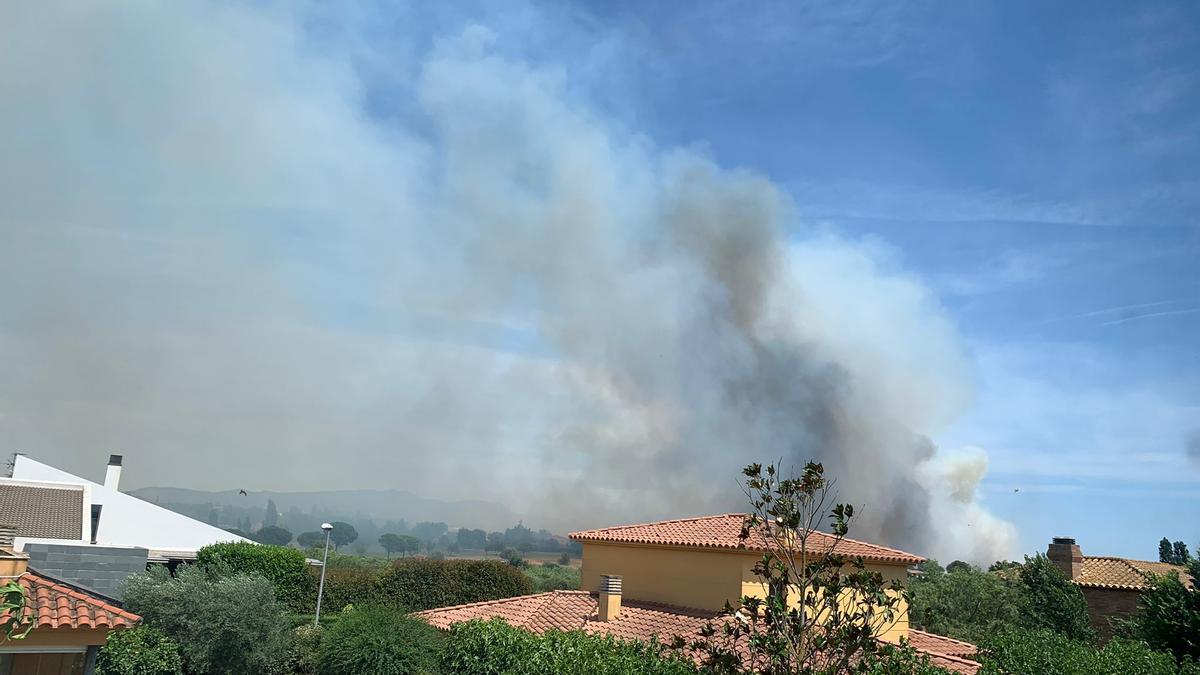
[
  {"x": 1046, "y": 652},
  {"x": 496, "y": 648},
  {"x": 419, "y": 583},
  {"x": 284, "y": 567},
  {"x": 380, "y": 641}
]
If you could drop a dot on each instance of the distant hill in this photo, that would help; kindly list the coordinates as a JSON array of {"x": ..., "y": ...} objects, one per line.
[{"x": 379, "y": 505}]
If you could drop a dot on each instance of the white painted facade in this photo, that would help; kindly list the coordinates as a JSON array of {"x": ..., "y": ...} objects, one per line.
[{"x": 125, "y": 520}]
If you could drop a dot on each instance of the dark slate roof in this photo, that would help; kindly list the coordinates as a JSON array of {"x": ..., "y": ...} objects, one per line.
[
  {"x": 39, "y": 511},
  {"x": 98, "y": 569}
]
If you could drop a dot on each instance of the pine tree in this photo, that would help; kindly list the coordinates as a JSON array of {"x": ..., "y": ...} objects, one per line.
[
  {"x": 271, "y": 518},
  {"x": 1165, "y": 553}
]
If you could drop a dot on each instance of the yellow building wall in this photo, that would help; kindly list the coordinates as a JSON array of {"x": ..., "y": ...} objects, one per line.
[
  {"x": 892, "y": 631},
  {"x": 701, "y": 578}
]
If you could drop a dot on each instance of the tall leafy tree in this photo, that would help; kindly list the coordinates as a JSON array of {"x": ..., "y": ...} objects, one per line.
[
  {"x": 1182, "y": 556},
  {"x": 1168, "y": 615},
  {"x": 1054, "y": 602},
  {"x": 1165, "y": 552},
  {"x": 392, "y": 543},
  {"x": 273, "y": 535},
  {"x": 343, "y": 533},
  {"x": 311, "y": 539}
]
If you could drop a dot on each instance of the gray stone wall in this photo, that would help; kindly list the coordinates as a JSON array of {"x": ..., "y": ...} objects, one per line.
[{"x": 98, "y": 568}]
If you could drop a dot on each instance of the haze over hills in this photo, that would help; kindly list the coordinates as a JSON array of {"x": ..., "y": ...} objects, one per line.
[{"x": 379, "y": 505}]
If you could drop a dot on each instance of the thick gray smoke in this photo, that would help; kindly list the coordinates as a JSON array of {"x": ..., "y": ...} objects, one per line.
[{"x": 217, "y": 261}]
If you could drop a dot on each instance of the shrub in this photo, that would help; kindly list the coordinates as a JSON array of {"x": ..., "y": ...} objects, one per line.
[
  {"x": 139, "y": 651},
  {"x": 284, "y": 567},
  {"x": 1046, "y": 652},
  {"x": 229, "y": 625},
  {"x": 380, "y": 641},
  {"x": 1054, "y": 602},
  {"x": 418, "y": 584},
  {"x": 303, "y": 650},
  {"x": 496, "y": 648},
  {"x": 1168, "y": 617},
  {"x": 551, "y": 577}
]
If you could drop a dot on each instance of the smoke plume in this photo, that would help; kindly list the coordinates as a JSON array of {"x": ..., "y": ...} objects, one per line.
[{"x": 247, "y": 251}]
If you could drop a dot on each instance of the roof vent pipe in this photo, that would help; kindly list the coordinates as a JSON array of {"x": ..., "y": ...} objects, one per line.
[
  {"x": 610, "y": 597},
  {"x": 112, "y": 477}
]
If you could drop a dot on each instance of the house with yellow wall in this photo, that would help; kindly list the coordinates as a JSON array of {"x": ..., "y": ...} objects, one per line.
[{"x": 668, "y": 578}]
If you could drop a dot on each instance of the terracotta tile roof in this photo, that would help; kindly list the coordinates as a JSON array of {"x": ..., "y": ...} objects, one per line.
[
  {"x": 576, "y": 610},
  {"x": 939, "y": 644},
  {"x": 1122, "y": 573},
  {"x": 39, "y": 511},
  {"x": 53, "y": 604},
  {"x": 722, "y": 532}
]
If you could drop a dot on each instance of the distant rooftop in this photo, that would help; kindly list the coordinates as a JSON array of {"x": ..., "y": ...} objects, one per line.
[{"x": 723, "y": 532}]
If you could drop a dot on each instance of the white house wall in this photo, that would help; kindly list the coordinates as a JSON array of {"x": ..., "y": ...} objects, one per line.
[{"x": 126, "y": 520}]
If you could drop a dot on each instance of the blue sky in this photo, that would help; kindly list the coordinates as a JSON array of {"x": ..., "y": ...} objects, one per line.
[{"x": 432, "y": 246}]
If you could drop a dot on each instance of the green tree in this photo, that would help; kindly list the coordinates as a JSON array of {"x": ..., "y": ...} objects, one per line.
[
  {"x": 273, "y": 535},
  {"x": 240, "y": 533},
  {"x": 410, "y": 544},
  {"x": 139, "y": 651},
  {"x": 958, "y": 566},
  {"x": 223, "y": 624},
  {"x": 1168, "y": 616},
  {"x": 1180, "y": 551},
  {"x": 342, "y": 534},
  {"x": 803, "y": 624},
  {"x": 429, "y": 532},
  {"x": 471, "y": 539},
  {"x": 311, "y": 539},
  {"x": 1053, "y": 601},
  {"x": 1165, "y": 552},
  {"x": 391, "y": 543},
  {"x": 966, "y": 604},
  {"x": 271, "y": 515}
]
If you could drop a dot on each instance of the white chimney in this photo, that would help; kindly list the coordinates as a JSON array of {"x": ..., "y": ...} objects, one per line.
[{"x": 112, "y": 478}]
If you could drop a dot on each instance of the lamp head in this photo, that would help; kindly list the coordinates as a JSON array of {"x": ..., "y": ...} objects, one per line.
[{"x": 326, "y": 526}]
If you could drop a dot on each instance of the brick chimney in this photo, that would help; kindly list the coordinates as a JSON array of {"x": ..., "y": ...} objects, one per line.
[
  {"x": 1066, "y": 556},
  {"x": 610, "y": 597}
]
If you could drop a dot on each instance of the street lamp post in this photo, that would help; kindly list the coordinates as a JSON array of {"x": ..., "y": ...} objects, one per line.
[{"x": 324, "y": 563}]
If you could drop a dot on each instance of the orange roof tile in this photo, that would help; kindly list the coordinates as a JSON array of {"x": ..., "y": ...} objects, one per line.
[
  {"x": 52, "y": 604},
  {"x": 1122, "y": 573},
  {"x": 577, "y": 610},
  {"x": 723, "y": 532}
]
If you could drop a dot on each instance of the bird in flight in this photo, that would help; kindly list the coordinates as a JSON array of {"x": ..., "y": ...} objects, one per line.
[{"x": 242, "y": 493}]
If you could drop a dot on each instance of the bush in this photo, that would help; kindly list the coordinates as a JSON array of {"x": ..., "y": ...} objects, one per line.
[
  {"x": 496, "y": 648},
  {"x": 228, "y": 625},
  {"x": 303, "y": 650},
  {"x": 139, "y": 651},
  {"x": 380, "y": 641},
  {"x": 284, "y": 567},
  {"x": 417, "y": 584},
  {"x": 551, "y": 577},
  {"x": 1168, "y": 617},
  {"x": 1046, "y": 652}
]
